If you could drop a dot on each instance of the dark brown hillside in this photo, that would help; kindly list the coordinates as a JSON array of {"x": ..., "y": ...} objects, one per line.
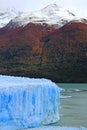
[
  {"x": 42, "y": 51},
  {"x": 21, "y": 49},
  {"x": 67, "y": 56}
]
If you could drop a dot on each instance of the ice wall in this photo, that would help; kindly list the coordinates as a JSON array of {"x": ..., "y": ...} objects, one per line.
[{"x": 26, "y": 102}]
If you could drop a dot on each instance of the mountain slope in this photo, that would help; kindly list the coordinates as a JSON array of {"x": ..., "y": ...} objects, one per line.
[
  {"x": 41, "y": 51},
  {"x": 6, "y": 16},
  {"x": 67, "y": 56}
]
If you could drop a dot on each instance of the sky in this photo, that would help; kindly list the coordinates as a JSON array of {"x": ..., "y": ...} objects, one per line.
[{"x": 78, "y": 7}]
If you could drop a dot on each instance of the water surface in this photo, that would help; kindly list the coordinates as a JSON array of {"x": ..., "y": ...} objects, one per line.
[{"x": 73, "y": 105}]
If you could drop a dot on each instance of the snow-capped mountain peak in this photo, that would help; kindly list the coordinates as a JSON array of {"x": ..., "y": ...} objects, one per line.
[
  {"x": 51, "y": 15},
  {"x": 7, "y": 15},
  {"x": 50, "y": 9},
  {"x": 57, "y": 14}
]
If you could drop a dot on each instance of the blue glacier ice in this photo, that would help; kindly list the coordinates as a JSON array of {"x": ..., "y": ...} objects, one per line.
[
  {"x": 26, "y": 102},
  {"x": 56, "y": 128}
]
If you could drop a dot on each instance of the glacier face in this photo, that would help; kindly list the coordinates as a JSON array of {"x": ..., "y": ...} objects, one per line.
[{"x": 26, "y": 102}]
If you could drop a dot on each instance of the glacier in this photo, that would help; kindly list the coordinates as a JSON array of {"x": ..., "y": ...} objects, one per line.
[{"x": 27, "y": 103}]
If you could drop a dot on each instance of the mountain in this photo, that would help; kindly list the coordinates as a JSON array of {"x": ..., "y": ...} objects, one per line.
[
  {"x": 54, "y": 50},
  {"x": 7, "y": 15},
  {"x": 51, "y": 14},
  {"x": 67, "y": 56}
]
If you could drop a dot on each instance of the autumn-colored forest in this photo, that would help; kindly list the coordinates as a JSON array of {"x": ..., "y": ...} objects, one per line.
[{"x": 36, "y": 50}]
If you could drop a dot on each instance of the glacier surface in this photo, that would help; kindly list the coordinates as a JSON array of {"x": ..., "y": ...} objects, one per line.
[
  {"x": 26, "y": 102},
  {"x": 44, "y": 128}
]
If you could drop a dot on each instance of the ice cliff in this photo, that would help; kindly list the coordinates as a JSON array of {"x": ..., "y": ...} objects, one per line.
[{"x": 26, "y": 102}]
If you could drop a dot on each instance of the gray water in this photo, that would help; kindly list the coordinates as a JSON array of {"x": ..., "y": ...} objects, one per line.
[{"x": 73, "y": 105}]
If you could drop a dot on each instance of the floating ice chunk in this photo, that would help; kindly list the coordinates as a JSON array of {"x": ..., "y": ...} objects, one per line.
[{"x": 26, "y": 102}]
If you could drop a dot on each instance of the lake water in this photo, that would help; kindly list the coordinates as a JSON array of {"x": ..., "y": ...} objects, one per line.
[{"x": 73, "y": 109}]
